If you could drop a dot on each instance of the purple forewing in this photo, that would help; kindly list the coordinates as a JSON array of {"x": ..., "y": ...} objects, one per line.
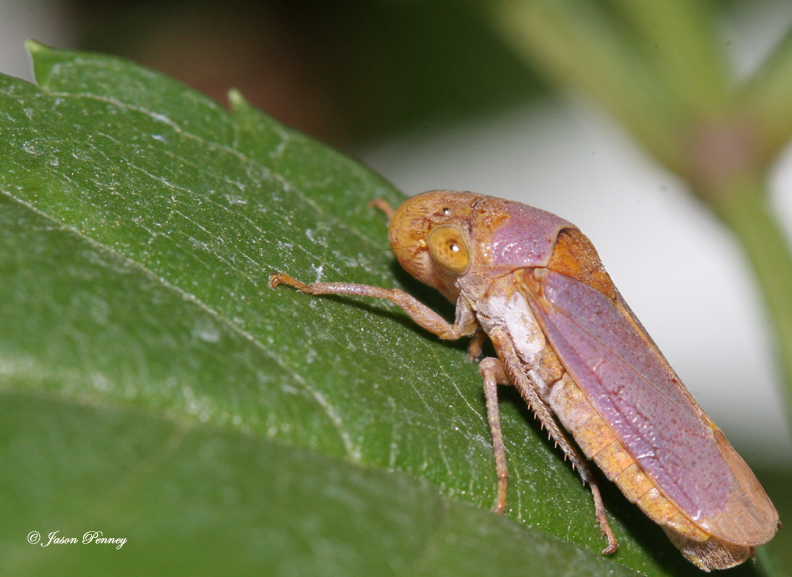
[{"x": 629, "y": 383}]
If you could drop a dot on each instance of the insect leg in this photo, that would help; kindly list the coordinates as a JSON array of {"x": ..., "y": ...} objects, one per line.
[
  {"x": 477, "y": 344},
  {"x": 419, "y": 312},
  {"x": 492, "y": 371},
  {"x": 514, "y": 368}
]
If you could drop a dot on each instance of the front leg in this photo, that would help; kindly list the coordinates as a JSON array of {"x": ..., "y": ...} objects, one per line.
[
  {"x": 419, "y": 312},
  {"x": 494, "y": 374}
]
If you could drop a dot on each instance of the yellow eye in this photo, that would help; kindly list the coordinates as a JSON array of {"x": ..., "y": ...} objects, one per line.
[{"x": 447, "y": 246}]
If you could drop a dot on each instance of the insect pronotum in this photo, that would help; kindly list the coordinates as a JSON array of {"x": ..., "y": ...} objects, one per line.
[{"x": 534, "y": 284}]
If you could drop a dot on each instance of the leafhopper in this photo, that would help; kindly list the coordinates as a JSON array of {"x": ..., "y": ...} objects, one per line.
[{"x": 534, "y": 284}]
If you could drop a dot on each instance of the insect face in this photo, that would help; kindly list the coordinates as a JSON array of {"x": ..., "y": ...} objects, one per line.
[{"x": 429, "y": 236}]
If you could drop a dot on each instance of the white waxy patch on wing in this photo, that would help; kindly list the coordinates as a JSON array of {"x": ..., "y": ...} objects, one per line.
[{"x": 513, "y": 314}]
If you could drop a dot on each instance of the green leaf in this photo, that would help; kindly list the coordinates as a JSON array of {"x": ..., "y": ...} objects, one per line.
[{"x": 155, "y": 388}]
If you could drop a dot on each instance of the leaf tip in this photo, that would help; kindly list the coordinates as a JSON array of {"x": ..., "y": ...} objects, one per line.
[
  {"x": 42, "y": 56},
  {"x": 34, "y": 46},
  {"x": 236, "y": 100}
]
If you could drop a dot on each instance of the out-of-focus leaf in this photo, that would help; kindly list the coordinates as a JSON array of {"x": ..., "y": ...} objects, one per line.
[{"x": 194, "y": 500}]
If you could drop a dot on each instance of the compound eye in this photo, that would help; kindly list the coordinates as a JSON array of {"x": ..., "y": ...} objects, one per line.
[{"x": 448, "y": 248}]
